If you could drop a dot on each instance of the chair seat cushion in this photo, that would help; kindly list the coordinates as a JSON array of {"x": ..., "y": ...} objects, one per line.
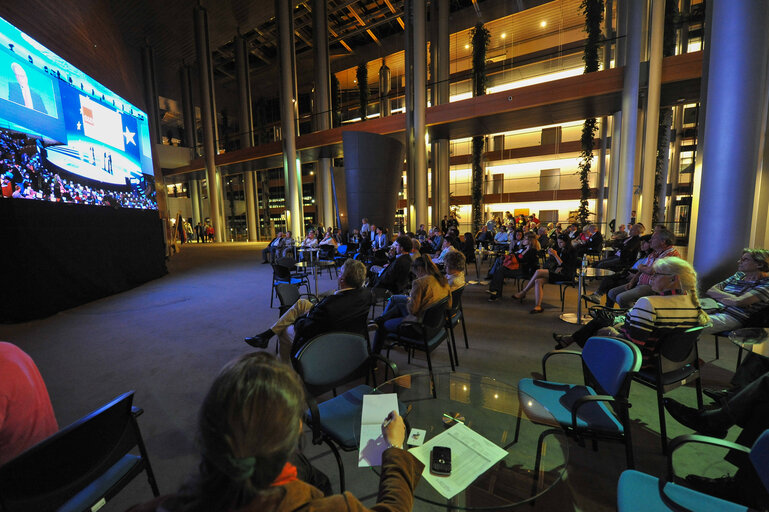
[
  {"x": 340, "y": 416},
  {"x": 418, "y": 343},
  {"x": 638, "y": 491},
  {"x": 88, "y": 497},
  {"x": 558, "y": 399},
  {"x": 649, "y": 375}
]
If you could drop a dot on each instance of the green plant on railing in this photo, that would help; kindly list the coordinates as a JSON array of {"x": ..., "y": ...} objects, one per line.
[
  {"x": 593, "y": 11},
  {"x": 666, "y": 114},
  {"x": 479, "y": 38},
  {"x": 361, "y": 74}
]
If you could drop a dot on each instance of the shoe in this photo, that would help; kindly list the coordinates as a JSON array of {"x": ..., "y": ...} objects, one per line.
[
  {"x": 492, "y": 298},
  {"x": 373, "y": 326},
  {"x": 595, "y": 299},
  {"x": 258, "y": 341},
  {"x": 726, "y": 487},
  {"x": 520, "y": 296},
  {"x": 562, "y": 340},
  {"x": 265, "y": 262},
  {"x": 536, "y": 310},
  {"x": 699, "y": 421},
  {"x": 717, "y": 394}
]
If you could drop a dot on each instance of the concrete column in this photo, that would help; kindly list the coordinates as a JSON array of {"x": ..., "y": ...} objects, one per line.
[
  {"x": 440, "y": 59},
  {"x": 600, "y": 216},
  {"x": 652, "y": 112},
  {"x": 289, "y": 118},
  {"x": 246, "y": 123},
  {"x": 664, "y": 171},
  {"x": 627, "y": 149},
  {"x": 613, "y": 188},
  {"x": 188, "y": 107},
  {"x": 208, "y": 120},
  {"x": 734, "y": 85},
  {"x": 417, "y": 155},
  {"x": 322, "y": 115}
]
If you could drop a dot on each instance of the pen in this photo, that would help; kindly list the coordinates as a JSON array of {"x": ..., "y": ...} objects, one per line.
[{"x": 453, "y": 418}]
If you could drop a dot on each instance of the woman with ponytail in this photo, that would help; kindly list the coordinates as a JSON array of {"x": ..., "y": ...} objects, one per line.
[
  {"x": 250, "y": 424},
  {"x": 429, "y": 287},
  {"x": 674, "y": 306}
]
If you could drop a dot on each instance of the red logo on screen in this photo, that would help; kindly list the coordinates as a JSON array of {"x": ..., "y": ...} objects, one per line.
[{"x": 88, "y": 116}]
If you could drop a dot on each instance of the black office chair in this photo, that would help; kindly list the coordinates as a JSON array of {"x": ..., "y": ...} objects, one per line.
[
  {"x": 425, "y": 335},
  {"x": 282, "y": 274},
  {"x": 82, "y": 466},
  {"x": 454, "y": 315},
  {"x": 675, "y": 364},
  {"x": 325, "y": 363}
]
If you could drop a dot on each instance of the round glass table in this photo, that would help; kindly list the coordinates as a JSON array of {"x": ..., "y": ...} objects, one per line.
[
  {"x": 752, "y": 339},
  {"x": 536, "y": 458},
  {"x": 578, "y": 317},
  {"x": 315, "y": 266}
]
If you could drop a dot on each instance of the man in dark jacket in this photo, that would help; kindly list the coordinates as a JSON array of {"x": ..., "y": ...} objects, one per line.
[
  {"x": 592, "y": 245},
  {"x": 627, "y": 251},
  {"x": 345, "y": 310},
  {"x": 395, "y": 276}
]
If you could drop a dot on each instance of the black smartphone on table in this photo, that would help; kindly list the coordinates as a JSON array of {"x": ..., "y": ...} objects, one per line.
[{"x": 440, "y": 460}]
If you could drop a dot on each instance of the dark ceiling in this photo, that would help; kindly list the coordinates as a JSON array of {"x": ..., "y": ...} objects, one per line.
[{"x": 356, "y": 27}]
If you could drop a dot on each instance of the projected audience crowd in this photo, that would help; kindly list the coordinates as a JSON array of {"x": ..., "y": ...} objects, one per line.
[{"x": 25, "y": 175}]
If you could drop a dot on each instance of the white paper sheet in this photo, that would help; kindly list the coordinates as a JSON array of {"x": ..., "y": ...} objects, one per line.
[
  {"x": 471, "y": 456},
  {"x": 372, "y": 442}
]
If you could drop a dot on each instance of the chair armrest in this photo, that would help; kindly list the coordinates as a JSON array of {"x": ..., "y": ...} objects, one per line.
[
  {"x": 697, "y": 438},
  {"x": 388, "y": 363},
  {"x": 136, "y": 411},
  {"x": 556, "y": 352},
  {"x": 317, "y": 434},
  {"x": 588, "y": 399},
  {"x": 310, "y": 296}
]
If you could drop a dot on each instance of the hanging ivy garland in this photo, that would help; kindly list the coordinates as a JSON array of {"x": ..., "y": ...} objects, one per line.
[
  {"x": 479, "y": 38},
  {"x": 666, "y": 114},
  {"x": 361, "y": 74},
  {"x": 593, "y": 11}
]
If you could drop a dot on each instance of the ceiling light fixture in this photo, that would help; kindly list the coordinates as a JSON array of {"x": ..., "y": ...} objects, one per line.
[{"x": 543, "y": 24}]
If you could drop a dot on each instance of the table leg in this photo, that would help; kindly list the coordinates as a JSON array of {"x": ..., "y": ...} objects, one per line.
[{"x": 573, "y": 318}]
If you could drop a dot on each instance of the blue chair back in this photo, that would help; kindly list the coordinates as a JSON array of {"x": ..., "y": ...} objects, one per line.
[
  {"x": 759, "y": 456},
  {"x": 332, "y": 359},
  {"x": 610, "y": 360},
  {"x": 341, "y": 250}
]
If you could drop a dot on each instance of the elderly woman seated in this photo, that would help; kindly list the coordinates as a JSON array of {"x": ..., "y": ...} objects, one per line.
[
  {"x": 249, "y": 427},
  {"x": 674, "y": 306},
  {"x": 455, "y": 269}
]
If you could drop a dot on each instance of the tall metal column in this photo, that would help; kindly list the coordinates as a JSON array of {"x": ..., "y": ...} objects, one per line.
[
  {"x": 416, "y": 155},
  {"x": 246, "y": 122},
  {"x": 208, "y": 120},
  {"x": 151, "y": 90},
  {"x": 439, "y": 49},
  {"x": 194, "y": 189},
  {"x": 289, "y": 119},
  {"x": 675, "y": 162},
  {"x": 322, "y": 108},
  {"x": 652, "y": 112},
  {"x": 734, "y": 83},
  {"x": 627, "y": 150},
  {"x": 188, "y": 107},
  {"x": 384, "y": 90}
]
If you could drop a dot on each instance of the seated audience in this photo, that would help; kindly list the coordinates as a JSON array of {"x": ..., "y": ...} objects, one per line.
[
  {"x": 640, "y": 284},
  {"x": 562, "y": 266},
  {"x": 672, "y": 304},
  {"x": 429, "y": 287},
  {"x": 249, "y": 428},
  {"x": 274, "y": 250},
  {"x": 522, "y": 263},
  {"x": 380, "y": 240},
  {"x": 395, "y": 276},
  {"x": 468, "y": 248},
  {"x": 455, "y": 269},
  {"x": 516, "y": 241},
  {"x": 501, "y": 237},
  {"x": 592, "y": 244},
  {"x": 484, "y": 236},
  {"x": 310, "y": 242},
  {"x": 26, "y": 414},
  {"x": 354, "y": 237},
  {"x": 742, "y": 294},
  {"x": 446, "y": 248},
  {"x": 748, "y": 410},
  {"x": 627, "y": 250},
  {"x": 288, "y": 243},
  {"x": 544, "y": 240},
  {"x": 621, "y": 277},
  {"x": 345, "y": 310}
]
